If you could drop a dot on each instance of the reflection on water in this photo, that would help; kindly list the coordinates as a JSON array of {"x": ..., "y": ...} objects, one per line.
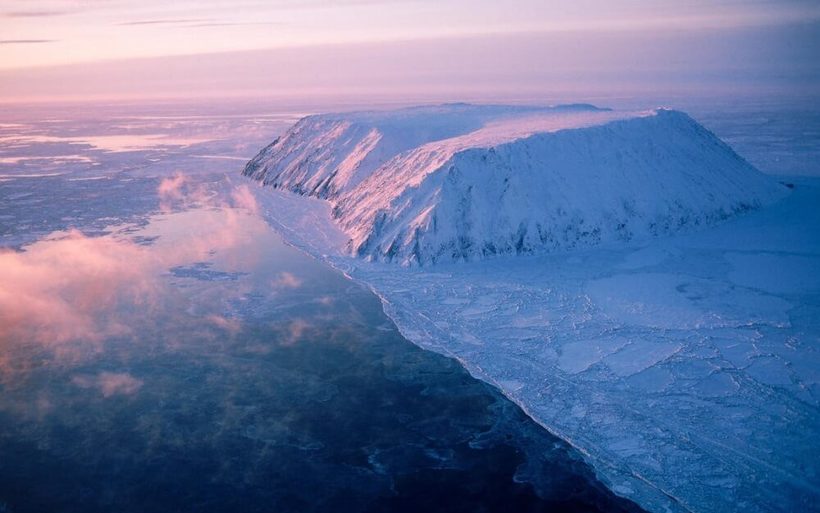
[{"x": 198, "y": 364}]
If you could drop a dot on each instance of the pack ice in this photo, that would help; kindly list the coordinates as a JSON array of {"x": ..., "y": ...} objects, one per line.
[{"x": 592, "y": 264}]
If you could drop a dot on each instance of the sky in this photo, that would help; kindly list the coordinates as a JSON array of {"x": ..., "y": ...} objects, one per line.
[{"x": 162, "y": 48}]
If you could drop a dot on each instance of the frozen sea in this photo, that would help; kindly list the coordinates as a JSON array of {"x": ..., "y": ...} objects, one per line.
[{"x": 163, "y": 349}]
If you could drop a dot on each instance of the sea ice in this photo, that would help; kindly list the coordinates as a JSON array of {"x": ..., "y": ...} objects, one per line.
[{"x": 705, "y": 400}]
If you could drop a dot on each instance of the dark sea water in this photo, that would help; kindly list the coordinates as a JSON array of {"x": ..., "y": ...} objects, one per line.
[
  {"x": 162, "y": 350},
  {"x": 258, "y": 380}
]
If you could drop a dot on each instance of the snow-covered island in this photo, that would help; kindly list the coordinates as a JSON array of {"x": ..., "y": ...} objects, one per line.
[
  {"x": 632, "y": 283},
  {"x": 457, "y": 182}
]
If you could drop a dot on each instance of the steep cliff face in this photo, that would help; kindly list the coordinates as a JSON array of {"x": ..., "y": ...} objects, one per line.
[{"x": 419, "y": 186}]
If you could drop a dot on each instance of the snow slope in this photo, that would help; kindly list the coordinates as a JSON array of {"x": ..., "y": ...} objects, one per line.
[
  {"x": 327, "y": 154},
  {"x": 459, "y": 182}
]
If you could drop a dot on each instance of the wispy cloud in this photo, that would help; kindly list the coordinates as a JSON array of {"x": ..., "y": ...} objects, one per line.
[
  {"x": 180, "y": 192},
  {"x": 286, "y": 280},
  {"x": 33, "y": 14},
  {"x": 194, "y": 23},
  {"x": 242, "y": 197},
  {"x": 25, "y": 41},
  {"x": 65, "y": 288},
  {"x": 110, "y": 383},
  {"x": 294, "y": 332},
  {"x": 167, "y": 21},
  {"x": 231, "y": 24}
]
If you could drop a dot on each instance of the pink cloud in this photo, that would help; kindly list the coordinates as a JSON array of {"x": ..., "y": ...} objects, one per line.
[
  {"x": 181, "y": 192},
  {"x": 286, "y": 280},
  {"x": 69, "y": 292},
  {"x": 243, "y": 198},
  {"x": 61, "y": 288},
  {"x": 198, "y": 234},
  {"x": 294, "y": 332},
  {"x": 171, "y": 188},
  {"x": 110, "y": 383},
  {"x": 232, "y": 326}
]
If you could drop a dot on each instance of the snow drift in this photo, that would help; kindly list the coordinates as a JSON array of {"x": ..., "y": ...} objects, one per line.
[{"x": 460, "y": 182}]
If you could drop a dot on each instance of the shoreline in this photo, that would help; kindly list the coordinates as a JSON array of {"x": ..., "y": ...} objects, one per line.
[
  {"x": 615, "y": 471},
  {"x": 669, "y": 502}
]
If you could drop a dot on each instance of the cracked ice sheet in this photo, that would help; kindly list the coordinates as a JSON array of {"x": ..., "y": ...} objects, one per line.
[{"x": 686, "y": 370}]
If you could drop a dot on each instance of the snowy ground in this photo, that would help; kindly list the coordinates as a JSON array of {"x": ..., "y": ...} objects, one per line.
[{"x": 686, "y": 370}]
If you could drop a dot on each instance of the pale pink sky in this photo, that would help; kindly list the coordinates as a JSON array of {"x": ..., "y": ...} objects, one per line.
[{"x": 80, "y": 48}]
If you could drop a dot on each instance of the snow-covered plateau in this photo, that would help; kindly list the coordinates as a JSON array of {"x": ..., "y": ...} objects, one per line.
[{"x": 625, "y": 277}]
